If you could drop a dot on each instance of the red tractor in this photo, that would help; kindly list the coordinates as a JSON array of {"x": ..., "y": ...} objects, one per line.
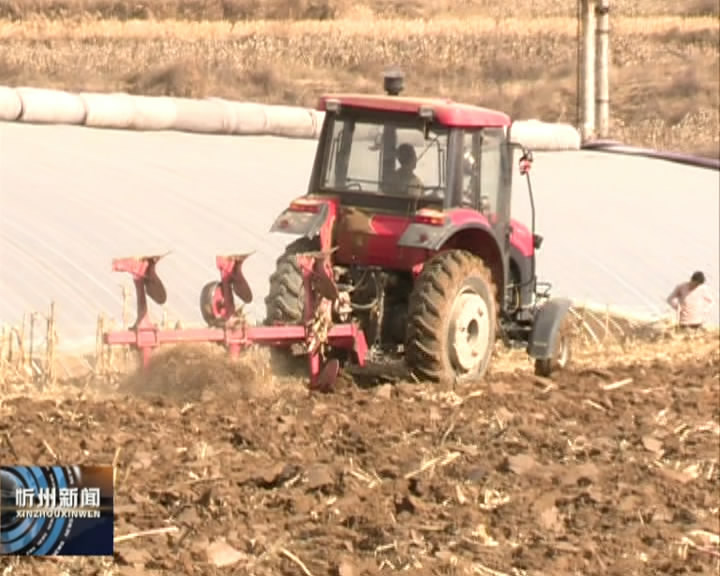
[
  {"x": 406, "y": 248},
  {"x": 412, "y": 195}
]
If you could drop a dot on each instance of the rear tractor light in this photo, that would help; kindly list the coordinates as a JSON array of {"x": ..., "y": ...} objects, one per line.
[
  {"x": 298, "y": 206},
  {"x": 431, "y": 219}
]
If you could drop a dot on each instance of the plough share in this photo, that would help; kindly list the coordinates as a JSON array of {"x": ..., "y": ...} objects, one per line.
[{"x": 230, "y": 328}]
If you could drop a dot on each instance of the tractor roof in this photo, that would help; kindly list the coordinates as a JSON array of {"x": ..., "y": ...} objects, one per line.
[{"x": 446, "y": 112}]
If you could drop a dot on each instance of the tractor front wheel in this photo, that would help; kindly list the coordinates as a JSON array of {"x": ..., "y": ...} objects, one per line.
[
  {"x": 561, "y": 359},
  {"x": 451, "y": 318}
]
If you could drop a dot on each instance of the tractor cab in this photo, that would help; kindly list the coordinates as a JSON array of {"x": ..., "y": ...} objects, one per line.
[
  {"x": 406, "y": 176},
  {"x": 412, "y": 157}
]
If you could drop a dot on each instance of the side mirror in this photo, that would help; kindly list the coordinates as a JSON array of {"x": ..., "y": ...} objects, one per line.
[
  {"x": 526, "y": 161},
  {"x": 537, "y": 241}
]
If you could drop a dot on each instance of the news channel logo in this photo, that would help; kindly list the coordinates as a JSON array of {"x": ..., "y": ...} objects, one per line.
[{"x": 56, "y": 510}]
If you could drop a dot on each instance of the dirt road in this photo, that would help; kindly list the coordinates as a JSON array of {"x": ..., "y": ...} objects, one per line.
[{"x": 511, "y": 476}]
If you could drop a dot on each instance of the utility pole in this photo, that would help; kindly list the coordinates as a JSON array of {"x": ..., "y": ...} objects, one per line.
[
  {"x": 603, "y": 67},
  {"x": 588, "y": 69}
]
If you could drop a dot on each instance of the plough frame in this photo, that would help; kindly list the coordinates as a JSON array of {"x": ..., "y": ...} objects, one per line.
[{"x": 232, "y": 331}]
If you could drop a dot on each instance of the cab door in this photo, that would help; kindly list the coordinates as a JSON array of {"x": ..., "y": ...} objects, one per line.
[{"x": 485, "y": 183}]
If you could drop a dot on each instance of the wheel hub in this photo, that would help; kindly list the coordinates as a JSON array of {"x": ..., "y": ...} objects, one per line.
[{"x": 469, "y": 331}]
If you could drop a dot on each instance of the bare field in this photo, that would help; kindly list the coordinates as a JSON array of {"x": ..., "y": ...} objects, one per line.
[
  {"x": 664, "y": 87},
  {"x": 611, "y": 470}
]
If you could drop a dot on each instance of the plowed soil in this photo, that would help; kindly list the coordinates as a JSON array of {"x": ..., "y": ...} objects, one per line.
[{"x": 605, "y": 471}]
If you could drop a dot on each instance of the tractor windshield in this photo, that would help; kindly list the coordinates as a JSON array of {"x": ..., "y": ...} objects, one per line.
[{"x": 385, "y": 158}]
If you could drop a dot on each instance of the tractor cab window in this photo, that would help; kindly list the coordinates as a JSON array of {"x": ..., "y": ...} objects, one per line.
[
  {"x": 394, "y": 159},
  {"x": 483, "y": 165}
]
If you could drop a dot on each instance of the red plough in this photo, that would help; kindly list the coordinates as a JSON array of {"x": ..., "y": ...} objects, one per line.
[{"x": 227, "y": 325}]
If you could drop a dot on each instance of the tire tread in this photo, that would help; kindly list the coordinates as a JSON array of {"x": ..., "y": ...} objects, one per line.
[{"x": 426, "y": 351}]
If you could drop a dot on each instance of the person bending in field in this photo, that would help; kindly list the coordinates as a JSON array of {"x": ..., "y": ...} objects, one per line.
[
  {"x": 692, "y": 301},
  {"x": 404, "y": 181}
]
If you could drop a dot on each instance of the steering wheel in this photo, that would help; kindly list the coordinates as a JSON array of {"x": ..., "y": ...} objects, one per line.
[{"x": 353, "y": 184}]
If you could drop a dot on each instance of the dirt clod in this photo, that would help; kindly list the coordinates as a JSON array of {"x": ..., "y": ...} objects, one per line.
[{"x": 221, "y": 554}]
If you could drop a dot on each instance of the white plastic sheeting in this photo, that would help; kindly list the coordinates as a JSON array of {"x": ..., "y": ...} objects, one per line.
[
  {"x": 289, "y": 121},
  {"x": 208, "y": 116},
  {"x": 245, "y": 118},
  {"x": 10, "y": 104},
  {"x": 42, "y": 106},
  {"x": 154, "y": 113},
  {"x": 214, "y": 116},
  {"x": 108, "y": 110},
  {"x": 318, "y": 120},
  {"x": 73, "y": 199},
  {"x": 545, "y": 136}
]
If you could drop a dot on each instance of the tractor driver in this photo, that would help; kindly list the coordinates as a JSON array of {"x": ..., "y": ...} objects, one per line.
[{"x": 404, "y": 181}]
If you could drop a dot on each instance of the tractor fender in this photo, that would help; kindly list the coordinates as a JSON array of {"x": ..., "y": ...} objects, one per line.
[
  {"x": 302, "y": 222},
  {"x": 547, "y": 323},
  {"x": 434, "y": 237}
]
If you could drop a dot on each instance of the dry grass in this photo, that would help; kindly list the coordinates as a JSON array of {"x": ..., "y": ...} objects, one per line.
[
  {"x": 664, "y": 86},
  {"x": 331, "y": 9},
  {"x": 700, "y": 29}
]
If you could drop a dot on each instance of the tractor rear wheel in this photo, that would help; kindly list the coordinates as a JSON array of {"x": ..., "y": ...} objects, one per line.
[
  {"x": 451, "y": 318},
  {"x": 286, "y": 298}
]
